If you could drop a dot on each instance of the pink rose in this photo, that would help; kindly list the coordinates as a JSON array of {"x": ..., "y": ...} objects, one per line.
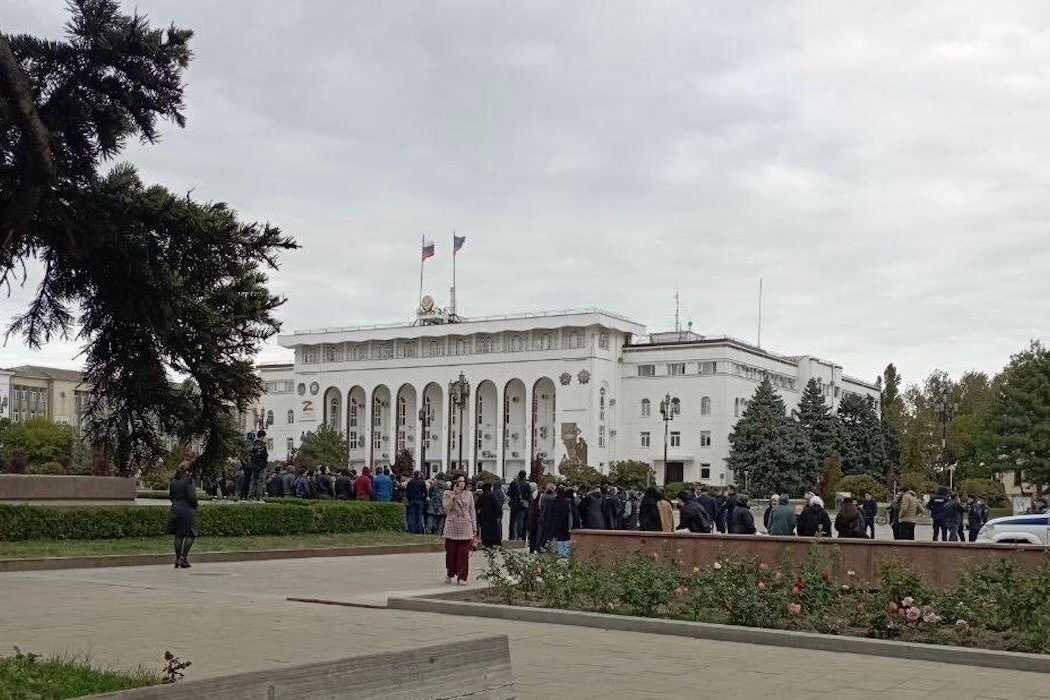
[
  {"x": 794, "y": 608},
  {"x": 763, "y": 567},
  {"x": 761, "y": 586},
  {"x": 908, "y": 602},
  {"x": 913, "y": 614}
]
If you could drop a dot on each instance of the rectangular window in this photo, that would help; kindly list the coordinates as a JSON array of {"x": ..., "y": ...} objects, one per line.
[
  {"x": 353, "y": 441},
  {"x": 601, "y": 436},
  {"x": 705, "y": 471},
  {"x": 676, "y": 369},
  {"x": 645, "y": 439},
  {"x": 409, "y": 349},
  {"x": 290, "y": 445},
  {"x": 705, "y": 438},
  {"x": 676, "y": 438},
  {"x": 646, "y": 370},
  {"x": 377, "y": 440},
  {"x": 707, "y": 368}
]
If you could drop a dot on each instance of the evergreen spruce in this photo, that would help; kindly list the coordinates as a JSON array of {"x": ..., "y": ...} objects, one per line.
[
  {"x": 816, "y": 420},
  {"x": 163, "y": 285},
  {"x": 860, "y": 439},
  {"x": 769, "y": 451},
  {"x": 1020, "y": 419},
  {"x": 892, "y": 415}
]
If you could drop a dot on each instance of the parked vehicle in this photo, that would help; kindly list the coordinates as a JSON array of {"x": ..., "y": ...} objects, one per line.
[{"x": 1017, "y": 529}]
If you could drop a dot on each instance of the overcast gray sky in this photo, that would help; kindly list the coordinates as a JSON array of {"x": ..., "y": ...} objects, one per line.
[{"x": 883, "y": 166}]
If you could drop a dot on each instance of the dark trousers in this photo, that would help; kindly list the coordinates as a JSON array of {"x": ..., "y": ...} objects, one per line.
[
  {"x": 939, "y": 531},
  {"x": 457, "y": 559},
  {"x": 869, "y": 527},
  {"x": 517, "y": 523},
  {"x": 414, "y": 516},
  {"x": 951, "y": 533},
  {"x": 962, "y": 533},
  {"x": 973, "y": 533},
  {"x": 246, "y": 483},
  {"x": 906, "y": 531}
]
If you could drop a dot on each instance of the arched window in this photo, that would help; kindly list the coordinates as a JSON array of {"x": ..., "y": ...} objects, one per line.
[
  {"x": 333, "y": 413},
  {"x": 291, "y": 416},
  {"x": 353, "y": 413},
  {"x": 646, "y": 408},
  {"x": 269, "y": 418},
  {"x": 705, "y": 406},
  {"x": 402, "y": 411},
  {"x": 601, "y": 404}
]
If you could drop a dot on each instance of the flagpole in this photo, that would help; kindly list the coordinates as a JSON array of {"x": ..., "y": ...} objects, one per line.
[
  {"x": 422, "y": 242},
  {"x": 453, "y": 249}
]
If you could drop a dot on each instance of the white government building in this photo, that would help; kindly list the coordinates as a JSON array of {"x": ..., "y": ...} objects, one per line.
[{"x": 579, "y": 385}]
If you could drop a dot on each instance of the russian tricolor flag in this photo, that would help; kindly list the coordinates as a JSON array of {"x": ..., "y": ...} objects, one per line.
[{"x": 428, "y": 249}]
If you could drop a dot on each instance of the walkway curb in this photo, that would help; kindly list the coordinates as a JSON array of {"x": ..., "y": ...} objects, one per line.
[
  {"x": 1010, "y": 660},
  {"x": 107, "y": 560}
]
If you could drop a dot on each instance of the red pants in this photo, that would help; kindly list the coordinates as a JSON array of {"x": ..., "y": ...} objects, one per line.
[{"x": 457, "y": 558}]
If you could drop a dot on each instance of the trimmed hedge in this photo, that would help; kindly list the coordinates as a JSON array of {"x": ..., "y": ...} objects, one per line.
[
  {"x": 162, "y": 494},
  {"x": 117, "y": 522}
]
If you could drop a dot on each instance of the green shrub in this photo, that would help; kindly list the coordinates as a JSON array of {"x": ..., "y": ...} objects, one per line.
[
  {"x": 860, "y": 484},
  {"x": 40, "y": 440},
  {"x": 483, "y": 476},
  {"x": 116, "y": 522},
  {"x": 631, "y": 474},
  {"x": 917, "y": 482},
  {"x": 673, "y": 489},
  {"x": 582, "y": 476},
  {"x": 48, "y": 468},
  {"x": 991, "y": 490}
]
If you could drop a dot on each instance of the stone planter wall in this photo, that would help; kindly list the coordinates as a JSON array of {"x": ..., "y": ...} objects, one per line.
[
  {"x": 939, "y": 564},
  {"x": 37, "y": 487}
]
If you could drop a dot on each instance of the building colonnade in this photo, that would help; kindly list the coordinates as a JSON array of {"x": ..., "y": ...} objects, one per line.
[{"x": 499, "y": 428}]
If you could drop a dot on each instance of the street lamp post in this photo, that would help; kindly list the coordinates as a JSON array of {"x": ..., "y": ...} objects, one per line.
[
  {"x": 459, "y": 390},
  {"x": 669, "y": 408},
  {"x": 946, "y": 410},
  {"x": 424, "y": 429}
]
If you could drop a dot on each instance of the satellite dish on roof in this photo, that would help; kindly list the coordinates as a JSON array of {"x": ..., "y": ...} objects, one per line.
[{"x": 426, "y": 303}]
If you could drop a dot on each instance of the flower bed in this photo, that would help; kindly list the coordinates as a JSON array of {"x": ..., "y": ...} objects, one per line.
[{"x": 994, "y": 606}]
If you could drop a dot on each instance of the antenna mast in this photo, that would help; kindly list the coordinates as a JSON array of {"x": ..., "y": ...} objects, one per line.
[
  {"x": 677, "y": 323},
  {"x": 759, "y": 312}
]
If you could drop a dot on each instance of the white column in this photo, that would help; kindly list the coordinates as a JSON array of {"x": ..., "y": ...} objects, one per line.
[
  {"x": 391, "y": 412},
  {"x": 369, "y": 395},
  {"x": 500, "y": 429},
  {"x": 470, "y": 430},
  {"x": 529, "y": 390},
  {"x": 420, "y": 432}
]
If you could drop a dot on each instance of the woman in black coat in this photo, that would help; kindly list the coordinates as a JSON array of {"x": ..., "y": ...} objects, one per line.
[
  {"x": 490, "y": 517},
  {"x": 649, "y": 512},
  {"x": 182, "y": 519}
]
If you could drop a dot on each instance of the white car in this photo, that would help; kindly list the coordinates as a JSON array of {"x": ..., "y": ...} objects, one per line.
[{"x": 1017, "y": 529}]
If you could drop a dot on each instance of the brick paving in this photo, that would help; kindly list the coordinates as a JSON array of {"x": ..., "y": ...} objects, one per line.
[{"x": 231, "y": 617}]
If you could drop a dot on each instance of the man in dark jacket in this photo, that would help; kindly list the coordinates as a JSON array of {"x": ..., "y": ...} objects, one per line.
[
  {"x": 558, "y": 521},
  {"x": 591, "y": 511},
  {"x": 936, "y": 507},
  {"x": 288, "y": 481},
  {"x": 730, "y": 506},
  {"x": 611, "y": 509},
  {"x": 710, "y": 506},
  {"x": 951, "y": 518},
  {"x": 869, "y": 509},
  {"x": 721, "y": 506},
  {"x": 743, "y": 521},
  {"x": 977, "y": 516},
  {"x": 692, "y": 515},
  {"x": 519, "y": 494},
  {"x": 344, "y": 487},
  {"x": 416, "y": 496}
]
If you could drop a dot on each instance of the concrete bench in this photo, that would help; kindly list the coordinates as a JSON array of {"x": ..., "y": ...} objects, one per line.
[{"x": 476, "y": 668}]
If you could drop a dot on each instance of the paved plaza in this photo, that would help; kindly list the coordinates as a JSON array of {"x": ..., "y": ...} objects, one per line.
[{"x": 233, "y": 617}]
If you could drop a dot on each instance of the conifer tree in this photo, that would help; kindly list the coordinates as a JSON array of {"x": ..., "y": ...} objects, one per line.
[
  {"x": 816, "y": 420},
  {"x": 163, "y": 285},
  {"x": 770, "y": 452},
  {"x": 860, "y": 438},
  {"x": 892, "y": 416},
  {"x": 1020, "y": 419}
]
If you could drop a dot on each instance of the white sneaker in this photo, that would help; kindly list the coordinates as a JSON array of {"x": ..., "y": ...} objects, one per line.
[{"x": 461, "y": 583}]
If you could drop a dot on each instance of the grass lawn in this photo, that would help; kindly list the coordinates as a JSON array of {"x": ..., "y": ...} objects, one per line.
[
  {"x": 162, "y": 545},
  {"x": 30, "y": 676}
]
